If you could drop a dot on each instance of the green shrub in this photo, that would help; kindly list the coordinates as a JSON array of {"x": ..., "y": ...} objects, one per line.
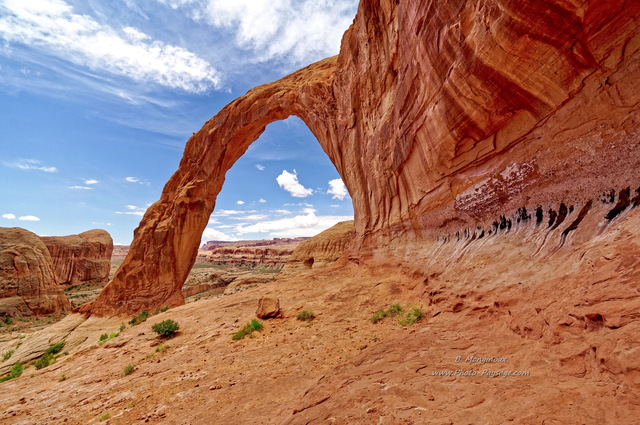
[
  {"x": 7, "y": 321},
  {"x": 45, "y": 361},
  {"x": 106, "y": 337},
  {"x": 166, "y": 328},
  {"x": 7, "y": 355},
  {"x": 394, "y": 310},
  {"x": 16, "y": 371},
  {"x": 123, "y": 327},
  {"x": 128, "y": 369},
  {"x": 378, "y": 316},
  {"x": 104, "y": 416},
  {"x": 56, "y": 348},
  {"x": 161, "y": 348},
  {"x": 247, "y": 329},
  {"x": 307, "y": 315},
  {"x": 142, "y": 317},
  {"x": 414, "y": 315}
]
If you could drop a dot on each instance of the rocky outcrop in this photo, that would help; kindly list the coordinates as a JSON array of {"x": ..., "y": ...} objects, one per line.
[
  {"x": 81, "y": 258},
  {"x": 439, "y": 116},
  {"x": 27, "y": 283},
  {"x": 321, "y": 250}
]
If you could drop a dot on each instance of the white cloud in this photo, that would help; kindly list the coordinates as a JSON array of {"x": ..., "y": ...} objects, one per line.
[
  {"x": 226, "y": 213},
  {"x": 261, "y": 167},
  {"x": 283, "y": 212},
  {"x": 9, "y": 216},
  {"x": 262, "y": 201},
  {"x": 301, "y": 31},
  {"x": 240, "y": 202},
  {"x": 210, "y": 234},
  {"x": 337, "y": 189},
  {"x": 251, "y": 217},
  {"x": 28, "y": 218},
  {"x": 137, "y": 180},
  {"x": 91, "y": 181},
  {"x": 290, "y": 183},
  {"x": 133, "y": 210},
  {"x": 52, "y": 27},
  {"x": 80, "y": 187},
  {"x": 30, "y": 164},
  {"x": 302, "y": 225}
]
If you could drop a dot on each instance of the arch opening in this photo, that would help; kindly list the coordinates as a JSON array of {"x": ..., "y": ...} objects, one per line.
[{"x": 166, "y": 242}]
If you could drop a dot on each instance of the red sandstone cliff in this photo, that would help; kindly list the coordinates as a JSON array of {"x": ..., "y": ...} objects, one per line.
[
  {"x": 439, "y": 116},
  {"x": 27, "y": 281},
  {"x": 81, "y": 258}
]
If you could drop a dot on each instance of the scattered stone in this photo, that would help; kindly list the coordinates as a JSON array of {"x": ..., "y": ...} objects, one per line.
[{"x": 268, "y": 308}]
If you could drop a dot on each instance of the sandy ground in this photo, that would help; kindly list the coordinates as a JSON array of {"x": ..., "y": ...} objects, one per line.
[{"x": 565, "y": 318}]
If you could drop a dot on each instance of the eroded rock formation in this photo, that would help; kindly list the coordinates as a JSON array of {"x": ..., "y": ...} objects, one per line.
[
  {"x": 27, "y": 281},
  {"x": 439, "y": 117},
  {"x": 321, "y": 250},
  {"x": 81, "y": 258}
]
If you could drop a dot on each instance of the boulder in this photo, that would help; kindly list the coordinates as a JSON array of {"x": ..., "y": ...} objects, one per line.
[
  {"x": 27, "y": 282},
  {"x": 268, "y": 308},
  {"x": 81, "y": 258}
]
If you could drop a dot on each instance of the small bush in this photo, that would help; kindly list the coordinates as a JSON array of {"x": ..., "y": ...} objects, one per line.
[
  {"x": 394, "y": 310},
  {"x": 7, "y": 355},
  {"x": 7, "y": 321},
  {"x": 45, "y": 361},
  {"x": 142, "y": 317},
  {"x": 62, "y": 378},
  {"x": 16, "y": 371},
  {"x": 307, "y": 315},
  {"x": 123, "y": 327},
  {"x": 128, "y": 369},
  {"x": 378, "y": 316},
  {"x": 166, "y": 329},
  {"x": 106, "y": 337},
  {"x": 161, "y": 348},
  {"x": 56, "y": 348},
  {"x": 414, "y": 315},
  {"x": 104, "y": 416},
  {"x": 247, "y": 329}
]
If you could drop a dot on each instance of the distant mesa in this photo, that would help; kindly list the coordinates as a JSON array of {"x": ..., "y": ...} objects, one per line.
[
  {"x": 321, "y": 250},
  {"x": 33, "y": 268},
  {"x": 81, "y": 258},
  {"x": 27, "y": 281}
]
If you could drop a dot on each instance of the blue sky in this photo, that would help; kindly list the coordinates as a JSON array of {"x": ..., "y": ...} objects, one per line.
[{"x": 98, "y": 98}]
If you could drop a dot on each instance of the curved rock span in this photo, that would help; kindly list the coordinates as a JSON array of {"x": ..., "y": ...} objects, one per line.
[
  {"x": 439, "y": 116},
  {"x": 81, "y": 258},
  {"x": 27, "y": 281}
]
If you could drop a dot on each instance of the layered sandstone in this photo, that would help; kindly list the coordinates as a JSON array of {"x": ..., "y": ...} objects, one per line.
[
  {"x": 81, "y": 258},
  {"x": 439, "y": 117},
  {"x": 27, "y": 282},
  {"x": 321, "y": 250}
]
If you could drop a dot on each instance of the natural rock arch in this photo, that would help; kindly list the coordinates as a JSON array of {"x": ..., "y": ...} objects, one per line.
[
  {"x": 438, "y": 116},
  {"x": 166, "y": 241}
]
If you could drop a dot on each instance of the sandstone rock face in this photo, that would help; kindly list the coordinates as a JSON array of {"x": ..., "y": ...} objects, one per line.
[
  {"x": 27, "y": 282},
  {"x": 321, "y": 250},
  {"x": 81, "y": 258},
  {"x": 439, "y": 117}
]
